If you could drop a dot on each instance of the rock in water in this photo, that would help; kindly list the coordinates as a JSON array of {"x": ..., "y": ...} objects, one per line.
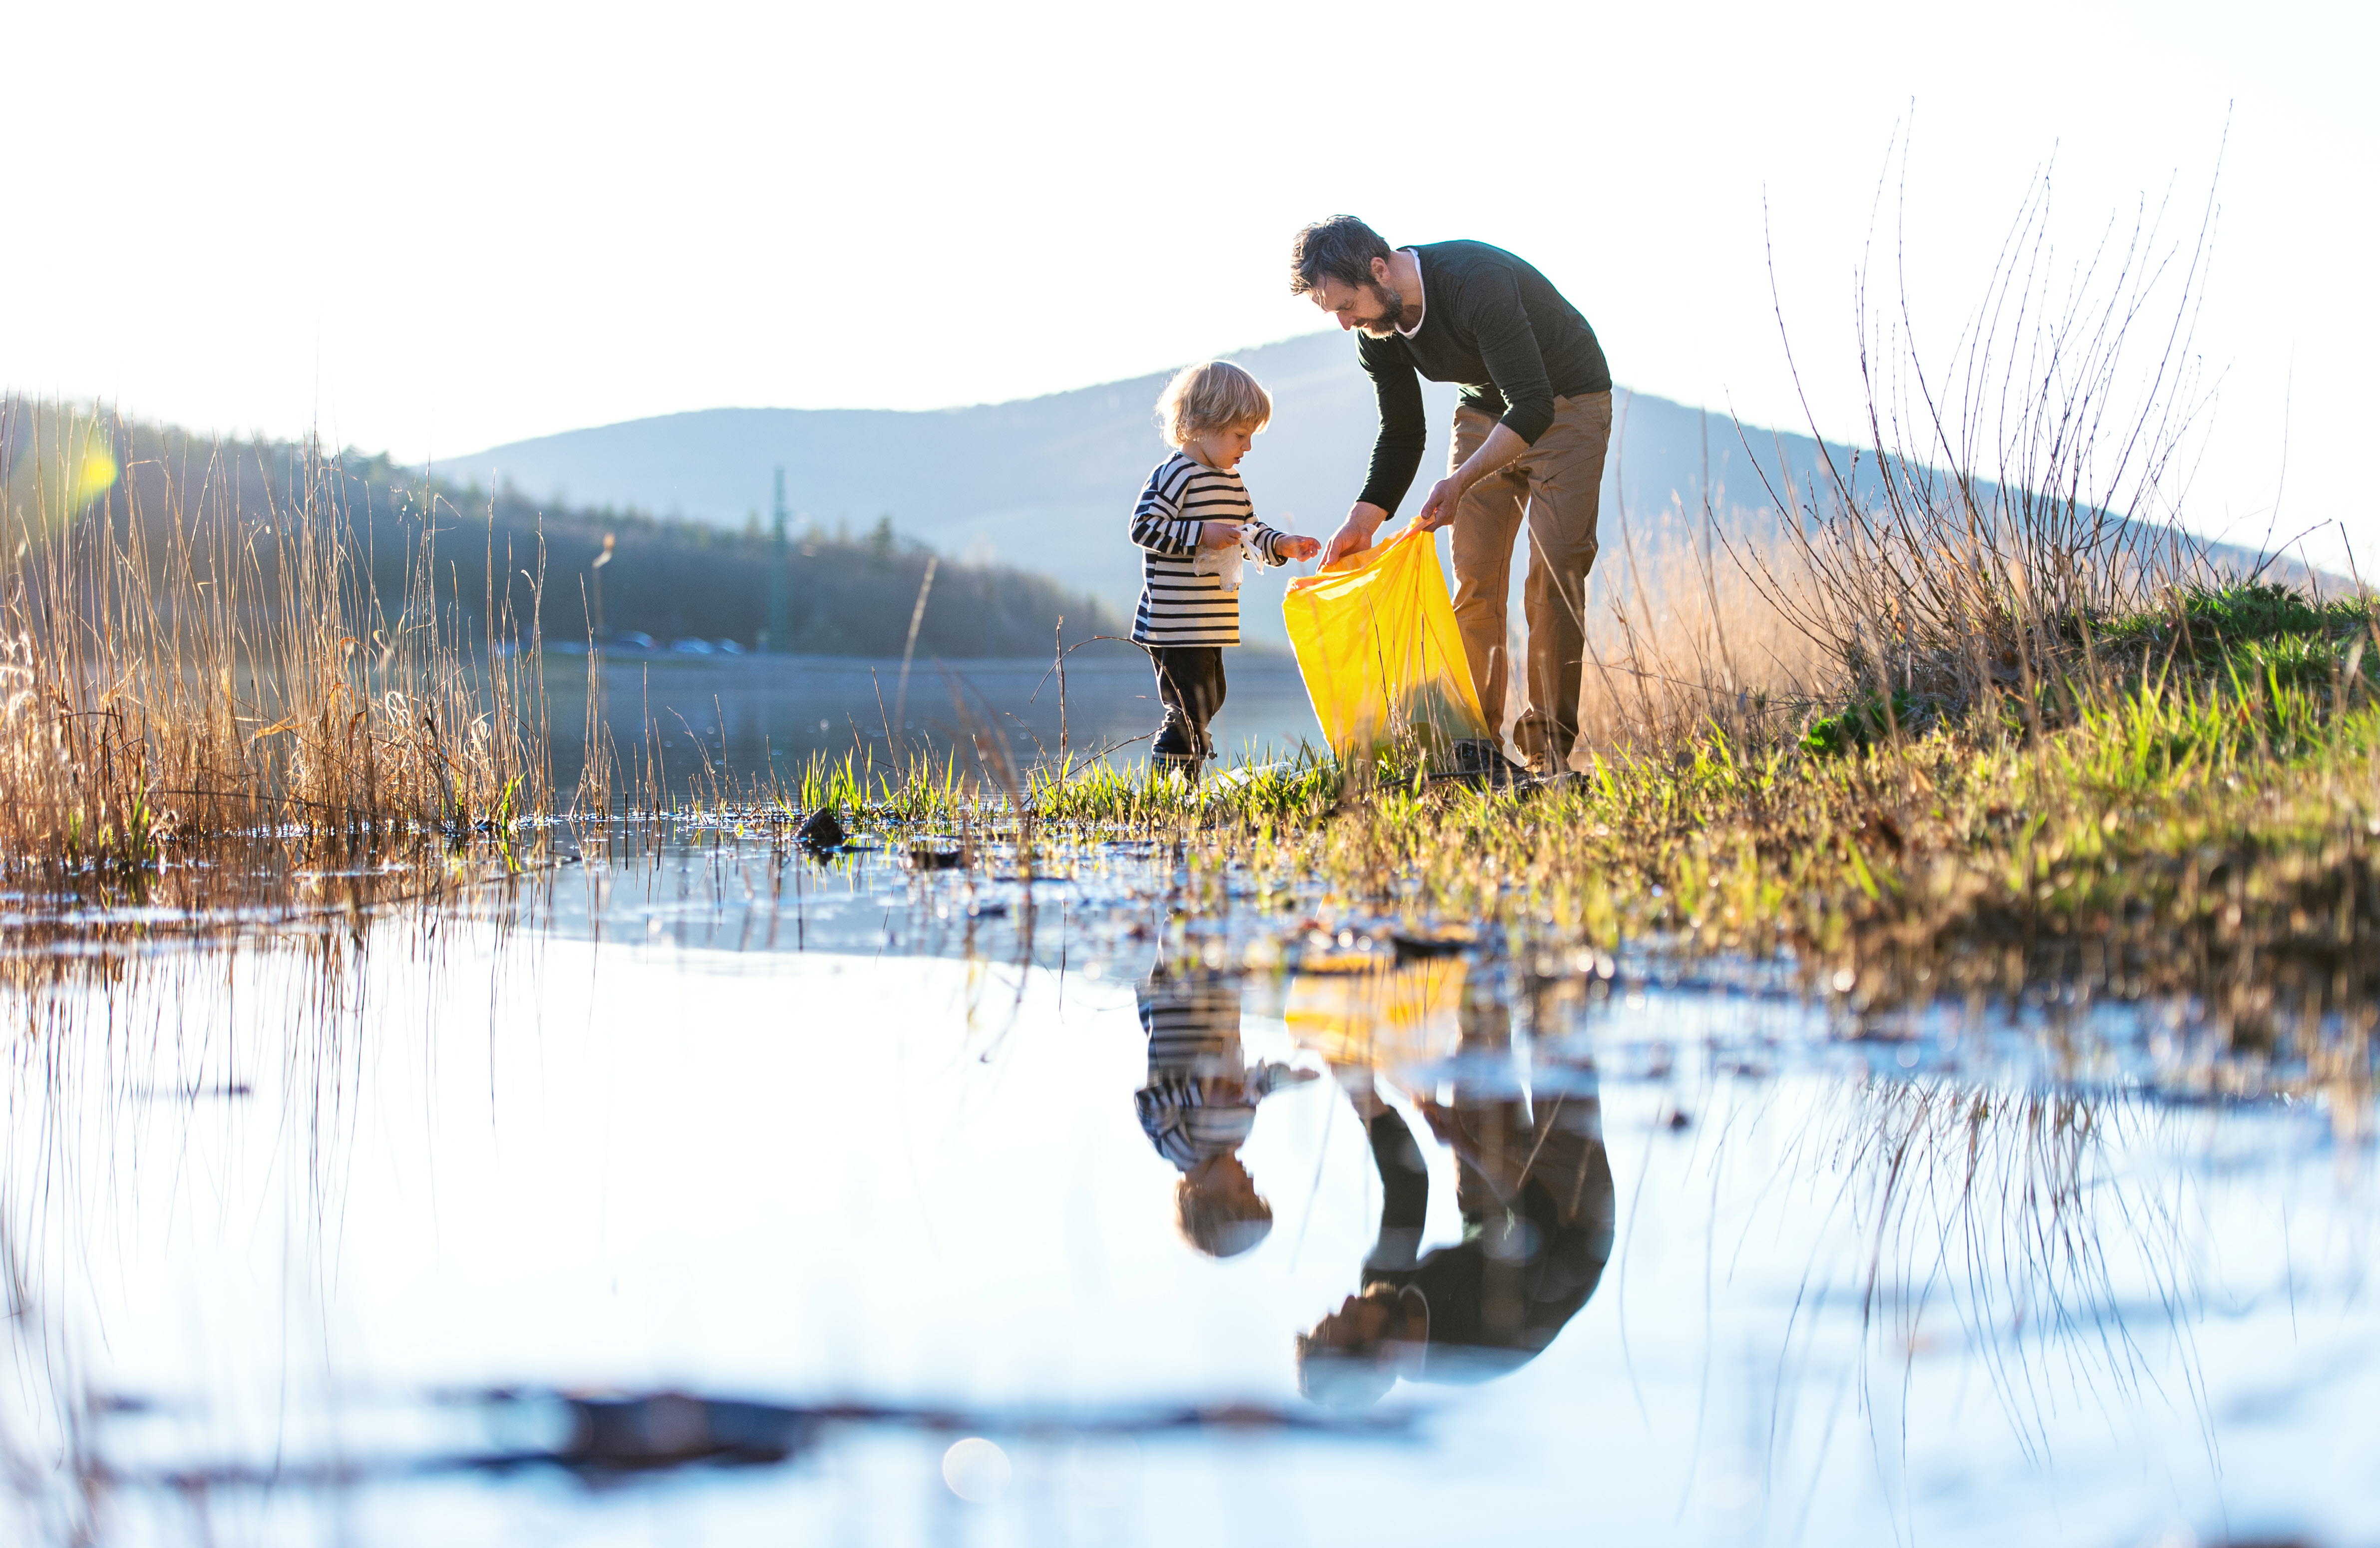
[{"x": 821, "y": 831}]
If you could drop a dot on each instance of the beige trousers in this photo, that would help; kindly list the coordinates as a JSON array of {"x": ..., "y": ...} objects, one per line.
[{"x": 1558, "y": 482}]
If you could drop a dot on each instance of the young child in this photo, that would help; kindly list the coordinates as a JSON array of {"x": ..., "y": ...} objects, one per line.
[
  {"x": 1194, "y": 512},
  {"x": 1200, "y": 1103}
]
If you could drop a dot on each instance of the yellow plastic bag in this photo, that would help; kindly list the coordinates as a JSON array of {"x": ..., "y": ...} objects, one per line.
[
  {"x": 1377, "y": 644},
  {"x": 1384, "y": 1019}
]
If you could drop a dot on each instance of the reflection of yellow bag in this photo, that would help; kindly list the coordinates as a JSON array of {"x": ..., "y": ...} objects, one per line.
[
  {"x": 1376, "y": 640},
  {"x": 1386, "y": 1020}
]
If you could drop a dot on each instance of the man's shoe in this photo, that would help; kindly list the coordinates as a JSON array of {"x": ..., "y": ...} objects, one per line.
[{"x": 1480, "y": 760}]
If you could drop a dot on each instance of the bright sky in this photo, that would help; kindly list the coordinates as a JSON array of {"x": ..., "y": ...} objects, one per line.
[{"x": 438, "y": 227}]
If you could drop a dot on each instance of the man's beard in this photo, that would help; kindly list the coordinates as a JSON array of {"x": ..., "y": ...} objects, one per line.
[{"x": 1387, "y": 324}]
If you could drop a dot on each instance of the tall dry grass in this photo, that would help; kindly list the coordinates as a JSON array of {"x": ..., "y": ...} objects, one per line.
[
  {"x": 1685, "y": 641},
  {"x": 224, "y": 666},
  {"x": 2018, "y": 487},
  {"x": 2005, "y": 500}
]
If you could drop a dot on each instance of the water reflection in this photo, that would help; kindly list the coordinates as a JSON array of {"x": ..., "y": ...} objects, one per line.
[
  {"x": 1199, "y": 1104},
  {"x": 1534, "y": 1190},
  {"x": 728, "y": 1154}
]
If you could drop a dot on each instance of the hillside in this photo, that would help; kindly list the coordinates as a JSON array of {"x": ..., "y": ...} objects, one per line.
[{"x": 852, "y": 593}]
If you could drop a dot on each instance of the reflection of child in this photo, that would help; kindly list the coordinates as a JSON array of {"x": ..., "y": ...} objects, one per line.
[
  {"x": 1193, "y": 523},
  {"x": 1199, "y": 1104}
]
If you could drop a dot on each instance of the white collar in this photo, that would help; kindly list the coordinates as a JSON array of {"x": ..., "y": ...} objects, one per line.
[{"x": 1408, "y": 333}]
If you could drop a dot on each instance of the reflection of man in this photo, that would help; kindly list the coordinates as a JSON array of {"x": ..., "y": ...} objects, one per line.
[
  {"x": 1535, "y": 1191},
  {"x": 1531, "y": 427}
]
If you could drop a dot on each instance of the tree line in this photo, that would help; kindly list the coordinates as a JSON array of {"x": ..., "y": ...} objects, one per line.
[{"x": 669, "y": 578}]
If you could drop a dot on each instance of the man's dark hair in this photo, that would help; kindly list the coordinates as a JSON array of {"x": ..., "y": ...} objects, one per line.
[{"x": 1341, "y": 248}]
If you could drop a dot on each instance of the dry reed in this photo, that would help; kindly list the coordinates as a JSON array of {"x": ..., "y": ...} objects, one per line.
[
  {"x": 196, "y": 664},
  {"x": 1685, "y": 643},
  {"x": 2015, "y": 491}
]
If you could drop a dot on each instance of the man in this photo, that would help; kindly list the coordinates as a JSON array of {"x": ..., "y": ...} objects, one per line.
[{"x": 1531, "y": 427}]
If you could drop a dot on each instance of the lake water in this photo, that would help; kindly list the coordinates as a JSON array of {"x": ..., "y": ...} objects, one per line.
[
  {"x": 431, "y": 1202},
  {"x": 778, "y": 711}
]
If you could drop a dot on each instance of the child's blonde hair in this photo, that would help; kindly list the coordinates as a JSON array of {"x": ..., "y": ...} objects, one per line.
[
  {"x": 1220, "y": 1225},
  {"x": 1204, "y": 398}
]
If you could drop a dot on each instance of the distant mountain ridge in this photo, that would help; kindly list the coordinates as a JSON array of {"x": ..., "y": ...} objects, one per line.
[{"x": 1047, "y": 483}]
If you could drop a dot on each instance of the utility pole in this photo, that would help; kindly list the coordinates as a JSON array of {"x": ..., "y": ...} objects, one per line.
[
  {"x": 595, "y": 587},
  {"x": 780, "y": 577}
]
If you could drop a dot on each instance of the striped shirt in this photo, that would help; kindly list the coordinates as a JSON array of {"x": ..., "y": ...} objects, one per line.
[
  {"x": 1201, "y": 1097},
  {"x": 1178, "y": 604}
]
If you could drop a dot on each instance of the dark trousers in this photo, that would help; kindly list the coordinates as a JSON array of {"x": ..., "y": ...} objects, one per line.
[{"x": 1190, "y": 685}]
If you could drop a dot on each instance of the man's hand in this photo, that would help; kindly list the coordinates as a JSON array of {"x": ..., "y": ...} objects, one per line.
[
  {"x": 1445, "y": 499},
  {"x": 1355, "y": 534},
  {"x": 1219, "y": 534},
  {"x": 1502, "y": 449},
  {"x": 1299, "y": 549}
]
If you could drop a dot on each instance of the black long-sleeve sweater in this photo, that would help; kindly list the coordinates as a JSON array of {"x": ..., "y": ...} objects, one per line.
[
  {"x": 1496, "y": 326},
  {"x": 1500, "y": 1296}
]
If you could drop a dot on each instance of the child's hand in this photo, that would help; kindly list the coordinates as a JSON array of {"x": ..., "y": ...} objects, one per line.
[
  {"x": 1299, "y": 549},
  {"x": 1219, "y": 534}
]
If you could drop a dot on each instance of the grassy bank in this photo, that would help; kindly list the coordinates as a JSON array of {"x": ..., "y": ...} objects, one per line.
[
  {"x": 2193, "y": 811},
  {"x": 2202, "y": 824}
]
